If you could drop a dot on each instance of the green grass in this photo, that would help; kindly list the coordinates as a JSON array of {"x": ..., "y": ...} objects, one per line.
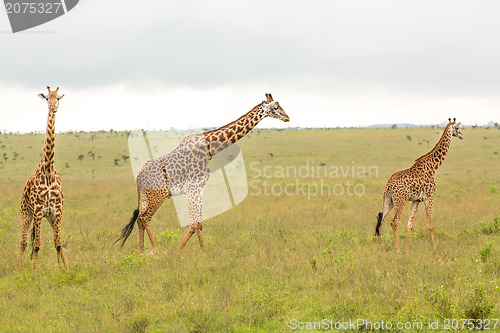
[{"x": 271, "y": 259}]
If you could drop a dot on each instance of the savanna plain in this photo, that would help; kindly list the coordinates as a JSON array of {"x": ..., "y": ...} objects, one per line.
[{"x": 275, "y": 260}]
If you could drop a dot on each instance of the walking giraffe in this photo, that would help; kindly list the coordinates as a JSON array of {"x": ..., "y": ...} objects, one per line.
[
  {"x": 416, "y": 184},
  {"x": 43, "y": 195},
  {"x": 185, "y": 170}
]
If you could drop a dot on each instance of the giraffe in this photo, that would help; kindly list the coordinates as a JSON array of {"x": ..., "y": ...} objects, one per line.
[
  {"x": 416, "y": 184},
  {"x": 185, "y": 170},
  {"x": 43, "y": 195}
]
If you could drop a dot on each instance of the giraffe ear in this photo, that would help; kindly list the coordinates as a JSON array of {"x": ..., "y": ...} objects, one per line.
[
  {"x": 457, "y": 125},
  {"x": 42, "y": 96},
  {"x": 60, "y": 97}
]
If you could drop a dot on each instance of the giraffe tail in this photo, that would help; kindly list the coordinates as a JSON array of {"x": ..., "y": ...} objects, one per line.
[
  {"x": 379, "y": 223},
  {"x": 127, "y": 230}
]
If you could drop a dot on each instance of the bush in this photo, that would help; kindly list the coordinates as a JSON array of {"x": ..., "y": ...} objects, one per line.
[{"x": 492, "y": 227}]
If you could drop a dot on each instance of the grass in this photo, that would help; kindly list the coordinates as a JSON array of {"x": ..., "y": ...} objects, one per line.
[{"x": 273, "y": 258}]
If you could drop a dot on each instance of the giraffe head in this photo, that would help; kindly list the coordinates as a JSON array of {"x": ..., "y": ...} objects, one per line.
[
  {"x": 52, "y": 99},
  {"x": 455, "y": 128},
  {"x": 273, "y": 109}
]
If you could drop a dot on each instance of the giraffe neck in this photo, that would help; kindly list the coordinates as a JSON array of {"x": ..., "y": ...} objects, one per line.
[
  {"x": 433, "y": 159},
  {"x": 221, "y": 138},
  {"x": 47, "y": 162}
]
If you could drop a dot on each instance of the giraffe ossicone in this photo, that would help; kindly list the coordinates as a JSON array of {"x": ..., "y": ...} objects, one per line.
[
  {"x": 416, "y": 184},
  {"x": 186, "y": 170}
]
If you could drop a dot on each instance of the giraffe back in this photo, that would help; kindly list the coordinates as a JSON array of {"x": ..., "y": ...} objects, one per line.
[{"x": 186, "y": 164}]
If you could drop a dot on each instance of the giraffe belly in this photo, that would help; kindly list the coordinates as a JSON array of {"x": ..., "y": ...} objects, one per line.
[{"x": 417, "y": 196}]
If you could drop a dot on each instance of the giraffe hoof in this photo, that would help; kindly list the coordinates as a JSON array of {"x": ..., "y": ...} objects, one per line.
[{"x": 153, "y": 253}]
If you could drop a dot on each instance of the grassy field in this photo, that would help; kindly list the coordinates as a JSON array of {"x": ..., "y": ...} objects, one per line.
[{"x": 276, "y": 260}]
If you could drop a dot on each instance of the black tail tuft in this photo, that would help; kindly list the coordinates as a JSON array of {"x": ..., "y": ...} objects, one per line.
[
  {"x": 379, "y": 223},
  {"x": 127, "y": 230}
]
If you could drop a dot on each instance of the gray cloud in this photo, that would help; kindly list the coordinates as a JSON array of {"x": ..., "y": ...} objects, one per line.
[{"x": 428, "y": 47}]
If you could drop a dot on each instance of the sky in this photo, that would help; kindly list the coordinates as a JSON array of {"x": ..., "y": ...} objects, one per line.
[{"x": 165, "y": 64}]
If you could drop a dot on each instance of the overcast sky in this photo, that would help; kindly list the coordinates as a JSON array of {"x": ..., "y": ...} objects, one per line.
[{"x": 159, "y": 64}]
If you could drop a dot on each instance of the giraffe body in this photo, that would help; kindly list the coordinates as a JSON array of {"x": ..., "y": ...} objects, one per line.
[
  {"x": 416, "y": 184},
  {"x": 43, "y": 195},
  {"x": 185, "y": 170}
]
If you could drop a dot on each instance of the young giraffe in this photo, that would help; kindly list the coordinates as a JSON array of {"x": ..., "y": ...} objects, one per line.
[
  {"x": 185, "y": 170},
  {"x": 43, "y": 195},
  {"x": 416, "y": 184}
]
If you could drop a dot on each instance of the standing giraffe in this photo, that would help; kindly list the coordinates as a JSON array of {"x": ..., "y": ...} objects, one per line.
[
  {"x": 185, "y": 170},
  {"x": 43, "y": 195},
  {"x": 416, "y": 184}
]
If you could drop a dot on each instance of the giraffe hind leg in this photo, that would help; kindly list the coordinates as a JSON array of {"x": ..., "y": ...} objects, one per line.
[
  {"x": 387, "y": 206},
  {"x": 35, "y": 237},
  {"x": 398, "y": 207},
  {"x": 409, "y": 228}
]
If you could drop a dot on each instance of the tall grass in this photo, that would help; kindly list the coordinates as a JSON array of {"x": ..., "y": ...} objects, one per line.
[{"x": 271, "y": 259}]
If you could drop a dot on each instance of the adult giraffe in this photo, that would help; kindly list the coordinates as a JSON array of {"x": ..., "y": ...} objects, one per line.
[
  {"x": 42, "y": 194},
  {"x": 185, "y": 170},
  {"x": 416, "y": 184}
]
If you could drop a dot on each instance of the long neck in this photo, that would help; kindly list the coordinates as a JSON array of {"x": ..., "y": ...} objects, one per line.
[
  {"x": 47, "y": 162},
  {"x": 433, "y": 159},
  {"x": 221, "y": 138}
]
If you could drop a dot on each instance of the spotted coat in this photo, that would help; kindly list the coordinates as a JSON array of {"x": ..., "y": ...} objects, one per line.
[
  {"x": 43, "y": 194},
  {"x": 185, "y": 170},
  {"x": 416, "y": 184}
]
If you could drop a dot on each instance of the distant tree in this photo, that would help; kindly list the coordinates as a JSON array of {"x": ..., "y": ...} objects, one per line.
[
  {"x": 394, "y": 126},
  {"x": 125, "y": 158},
  {"x": 408, "y": 138},
  {"x": 271, "y": 154},
  {"x": 116, "y": 161},
  {"x": 91, "y": 153},
  {"x": 67, "y": 165},
  {"x": 80, "y": 157}
]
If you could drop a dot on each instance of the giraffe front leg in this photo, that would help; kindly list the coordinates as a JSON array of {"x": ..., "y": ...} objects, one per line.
[
  {"x": 409, "y": 227},
  {"x": 428, "y": 211},
  {"x": 199, "y": 230},
  {"x": 35, "y": 236},
  {"x": 195, "y": 216},
  {"x": 191, "y": 231},
  {"x": 25, "y": 225}
]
